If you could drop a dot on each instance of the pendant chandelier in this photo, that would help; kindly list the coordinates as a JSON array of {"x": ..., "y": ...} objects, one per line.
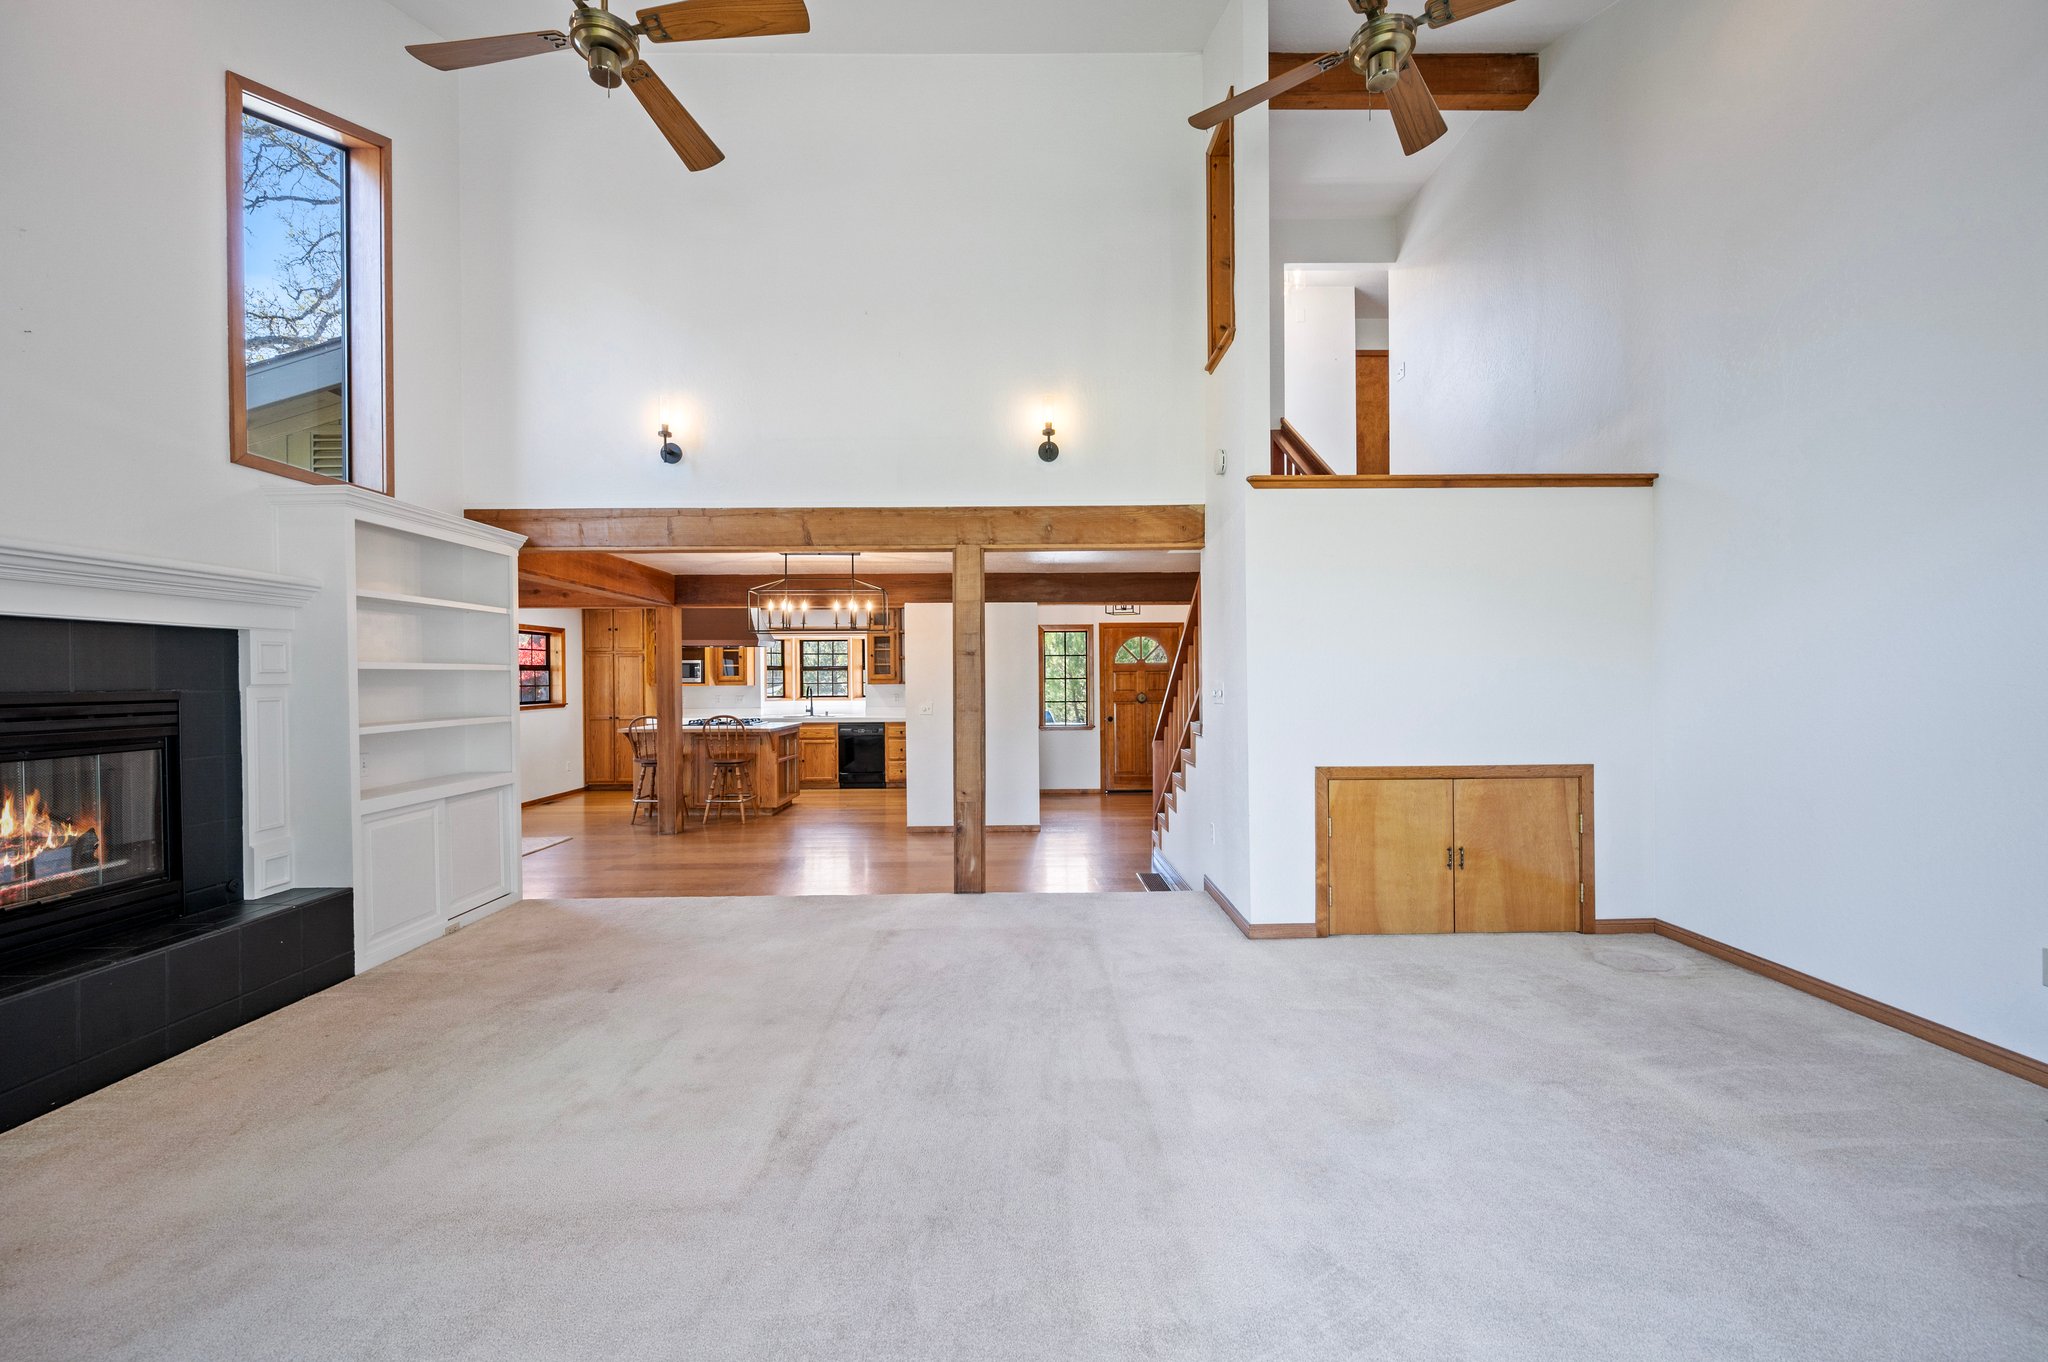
[{"x": 817, "y": 603}]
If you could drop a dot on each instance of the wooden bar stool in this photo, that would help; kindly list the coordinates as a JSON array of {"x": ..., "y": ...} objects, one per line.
[
  {"x": 730, "y": 751},
  {"x": 642, "y": 733}
]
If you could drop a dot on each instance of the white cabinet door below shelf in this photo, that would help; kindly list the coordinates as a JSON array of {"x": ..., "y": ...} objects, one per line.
[
  {"x": 476, "y": 851},
  {"x": 399, "y": 903}
]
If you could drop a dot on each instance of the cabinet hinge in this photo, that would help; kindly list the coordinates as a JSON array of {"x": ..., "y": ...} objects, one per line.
[{"x": 1582, "y": 891}]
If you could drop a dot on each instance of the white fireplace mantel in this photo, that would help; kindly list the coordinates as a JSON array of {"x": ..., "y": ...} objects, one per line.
[{"x": 55, "y": 582}]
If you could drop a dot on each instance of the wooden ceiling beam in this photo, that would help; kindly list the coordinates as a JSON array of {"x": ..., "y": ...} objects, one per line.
[
  {"x": 1486, "y": 81},
  {"x": 1046, "y": 588},
  {"x": 600, "y": 579},
  {"x": 849, "y": 529}
]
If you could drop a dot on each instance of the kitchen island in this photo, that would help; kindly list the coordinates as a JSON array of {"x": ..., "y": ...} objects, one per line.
[{"x": 791, "y": 753}]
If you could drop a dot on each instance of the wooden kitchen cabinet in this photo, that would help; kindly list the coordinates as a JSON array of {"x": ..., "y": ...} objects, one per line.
[
  {"x": 885, "y": 657},
  {"x": 1452, "y": 849},
  {"x": 894, "y": 756},
  {"x": 729, "y": 666},
  {"x": 818, "y": 756},
  {"x": 618, "y": 687}
]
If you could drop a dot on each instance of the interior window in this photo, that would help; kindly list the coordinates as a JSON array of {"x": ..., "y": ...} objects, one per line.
[
  {"x": 1063, "y": 678},
  {"x": 540, "y": 667},
  {"x": 308, "y": 385},
  {"x": 771, "y": 670},
  {"x": 825, "y": 667}
]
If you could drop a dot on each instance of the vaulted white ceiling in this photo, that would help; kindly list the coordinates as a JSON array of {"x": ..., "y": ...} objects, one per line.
[{"x": 987, "y": 26}]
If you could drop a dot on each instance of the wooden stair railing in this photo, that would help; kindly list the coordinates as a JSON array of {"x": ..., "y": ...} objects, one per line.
[
  {"x": 1180, "y": 714},
  {"x": 1293, "y": 457}
]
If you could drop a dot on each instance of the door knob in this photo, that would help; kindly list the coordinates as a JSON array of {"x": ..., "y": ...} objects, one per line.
[{"x": 1142, "y": 697}]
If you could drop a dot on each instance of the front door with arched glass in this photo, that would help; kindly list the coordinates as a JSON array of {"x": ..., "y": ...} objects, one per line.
[{"x": 1135, "y": 661}]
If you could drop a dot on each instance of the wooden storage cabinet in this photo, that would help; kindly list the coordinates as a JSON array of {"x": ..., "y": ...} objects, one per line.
[
  {"x": 1476, "y": 849},
  {"x": 885, "y": 657},
  {"x": 894, "y": 764},
  {"x": 618, "y": 687},
  {"x": 818, "y": 756},
  {"x": 729, "y": 666}
]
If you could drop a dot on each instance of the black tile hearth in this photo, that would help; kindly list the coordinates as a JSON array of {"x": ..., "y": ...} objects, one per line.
[{"x": 74, "y": 1023}]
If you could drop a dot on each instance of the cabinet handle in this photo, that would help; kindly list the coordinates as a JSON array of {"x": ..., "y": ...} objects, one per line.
[
  {"x": 1447, "y": 858},
  {"x": 1461, "y": 858}
]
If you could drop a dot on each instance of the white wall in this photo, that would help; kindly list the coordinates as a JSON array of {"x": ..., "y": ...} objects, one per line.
[
  {"x": 1321, "y": 373},
  {"x": 113, "y": 272},
  {"x": 1209, "y": 836},
  {"x": 1010, "y": 636},
  {"x": 1815, "y": 308},
  {"x": 551, "y": 740},
  {"x": 1071, "y": 759},
  {"x": 862, "y": 305},
  {"x": 1448, "y": 628},
  {"x": 1371, "y": 333}
]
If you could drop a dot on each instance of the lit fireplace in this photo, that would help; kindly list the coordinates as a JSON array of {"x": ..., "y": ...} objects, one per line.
[{"x": 87, "y": 816}]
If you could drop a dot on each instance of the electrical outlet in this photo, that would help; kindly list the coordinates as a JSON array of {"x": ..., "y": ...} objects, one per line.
[
  {"x": 1400, "y": 371},
  {"x": 1222, "y": 462},
  {"x": 1216, "y": 694}
]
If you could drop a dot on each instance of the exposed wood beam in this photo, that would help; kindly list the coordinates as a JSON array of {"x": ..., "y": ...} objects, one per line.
[
  {"x": 970, "y": 733},
  {"x": 548, "y": 598},
  {"x": 670, "y": 780},
  {"x": 851, "y": 529},
  {"x": 1459, "y": 80},
  {"x": 600, "y": 579},
  {"x": 1046, "y": 588}
]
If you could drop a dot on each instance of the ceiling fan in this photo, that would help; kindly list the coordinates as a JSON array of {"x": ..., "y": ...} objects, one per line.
[
  {"x": 1383, "y": 51},
  {"x": 610, "y": 47}
]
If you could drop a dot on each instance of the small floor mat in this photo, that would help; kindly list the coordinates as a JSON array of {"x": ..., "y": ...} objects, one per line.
[{"x": 529, "y": 845}]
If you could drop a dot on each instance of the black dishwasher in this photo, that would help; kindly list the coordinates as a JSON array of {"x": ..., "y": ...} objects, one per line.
[{"x": 860, "y": 757}]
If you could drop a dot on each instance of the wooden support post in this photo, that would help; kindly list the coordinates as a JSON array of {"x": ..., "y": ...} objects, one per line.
[
  {"x": 670, "y": 779},
  {"x": 970, "y": 724}
]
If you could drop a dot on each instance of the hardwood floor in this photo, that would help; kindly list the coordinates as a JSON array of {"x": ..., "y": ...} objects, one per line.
[{"x": 829, "y": 842}]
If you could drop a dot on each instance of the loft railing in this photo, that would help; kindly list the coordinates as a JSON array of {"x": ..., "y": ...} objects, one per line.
[
  {"x": 1179, "y": 708},
  {"x": 1293, "y": 457}
]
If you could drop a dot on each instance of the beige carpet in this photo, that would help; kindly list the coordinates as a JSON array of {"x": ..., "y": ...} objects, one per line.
[{"x": 1071, "y": 1127}]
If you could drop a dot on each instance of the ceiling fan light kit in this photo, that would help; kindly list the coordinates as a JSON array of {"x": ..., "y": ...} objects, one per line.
[
  {"x": 1382, "y": 52},
  {"x": 610, "y": 48}
]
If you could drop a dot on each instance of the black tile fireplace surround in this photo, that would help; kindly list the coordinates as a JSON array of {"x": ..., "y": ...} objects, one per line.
[{"x": 160, "y": 953}]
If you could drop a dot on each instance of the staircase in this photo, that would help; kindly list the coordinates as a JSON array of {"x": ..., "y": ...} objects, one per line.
[{"x": 1180, "y": 723}]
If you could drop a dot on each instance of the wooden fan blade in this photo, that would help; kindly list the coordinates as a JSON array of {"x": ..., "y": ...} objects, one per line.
[
  {"x": 1259, "y": 94},
  {"x": 483, "y": 51},
  {"x": 1437, "y": 13},
  {"x": 690, "y": 21},
  {"x": 1416, "y": 116},
  {"x": 697, "y": 149}
]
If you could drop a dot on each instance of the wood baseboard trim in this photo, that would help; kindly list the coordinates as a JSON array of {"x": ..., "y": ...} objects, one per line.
[
  {"x": 1257, "y": 931},
  {"x": 1043, "y": 793},
  {"x": 1163, "y": 868},
  {"x": 1623, "y": 926},
  {"x": 1011, "y": 827},
  {"x": 549, "y": 799},
  {"x": 927, "y": 828},
  {"x": 1934, "y": 1033}
]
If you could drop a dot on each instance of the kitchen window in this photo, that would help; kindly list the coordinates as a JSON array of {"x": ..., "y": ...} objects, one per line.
[
  {"x": 773, "y": 687},
  {"x": 309, "y": 291},
  {"x": 825, "y": 667},
  {"x": 1063, "y": 697},
  {"x": 540, "y": 668}
]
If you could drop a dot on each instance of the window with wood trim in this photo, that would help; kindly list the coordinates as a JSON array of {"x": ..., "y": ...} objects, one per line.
[
  {"x": 542, "y": 680},
  {"x": 1063, "y": 695},
  {"x": 309, "y": 291},
  {"x": 772, "y": 685},
  {"x": 826, "y": 667},
  {"x": 1222, "y": 246}
]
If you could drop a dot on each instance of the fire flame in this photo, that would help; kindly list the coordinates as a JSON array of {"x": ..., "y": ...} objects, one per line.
[{"x": 26, "y": 834}]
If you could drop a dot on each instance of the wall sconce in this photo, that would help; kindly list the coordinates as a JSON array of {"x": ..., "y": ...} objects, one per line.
[
  {"x": 1048, "y": 451},
  {"x": 671, "y": 452}
]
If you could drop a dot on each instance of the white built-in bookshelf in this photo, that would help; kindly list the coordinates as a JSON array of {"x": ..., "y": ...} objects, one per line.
[{"x": 420, "y": 682}]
